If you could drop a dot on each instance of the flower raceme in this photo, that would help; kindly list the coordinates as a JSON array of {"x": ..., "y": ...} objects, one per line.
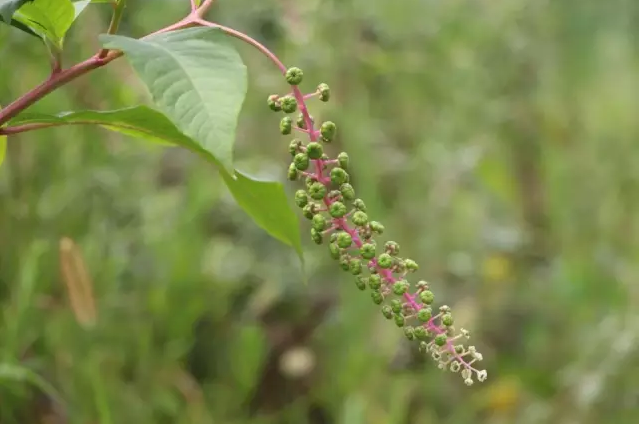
[{"x": 340, "y": 220}]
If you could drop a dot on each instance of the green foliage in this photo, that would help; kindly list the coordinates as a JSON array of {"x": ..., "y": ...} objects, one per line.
[
  {"x": 195, "y": 77},
  {"x": 265, "y": 202},
  {"x": 49, "y": 18},
  {"x": 479, "y": 134},
  {"x": 9, "y": 7}
]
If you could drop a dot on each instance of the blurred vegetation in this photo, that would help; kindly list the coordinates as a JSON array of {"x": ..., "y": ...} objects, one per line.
[{"x": 497, "y": 140}]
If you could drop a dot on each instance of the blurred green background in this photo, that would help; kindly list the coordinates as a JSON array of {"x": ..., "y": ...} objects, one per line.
[{"x": 497, "y": 140}]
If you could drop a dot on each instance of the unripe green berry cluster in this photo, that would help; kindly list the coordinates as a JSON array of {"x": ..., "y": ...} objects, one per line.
[{"x": 340, "y": 219}]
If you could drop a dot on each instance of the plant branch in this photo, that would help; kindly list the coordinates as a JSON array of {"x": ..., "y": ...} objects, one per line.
[
  {"x": 13, "y": 130},
  {"x": 204, "y": 8},
  {"x": 115, "y": 22},
  {"x": 244, "y": 37},
  {"x": 63, "y": 77}
]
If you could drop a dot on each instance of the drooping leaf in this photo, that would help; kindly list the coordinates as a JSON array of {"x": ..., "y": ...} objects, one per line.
[
  {"x": 9, "y": 7},
  {"x": 22, "y": 27},
  {"x": 196, "y": 78},
  {"x": 49, "y": 18},
  {"x": 265, "y": 202},
  {"x": 139, "y": 121}
]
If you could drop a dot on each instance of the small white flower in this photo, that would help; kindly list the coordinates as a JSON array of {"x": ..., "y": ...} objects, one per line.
[
  {"x": 478, "y": 356},
  {"x": 469, "y": 382},
  {"x": 466, "y": 374},
  {"x": 481, "y": 375}
]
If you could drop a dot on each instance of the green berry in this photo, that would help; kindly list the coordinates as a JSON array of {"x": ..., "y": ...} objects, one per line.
[
  {"x": 343, "y": 160},
  {"x": 355, "y": 267},
  {"x": 409, "y": 332},
  {"x": 334, "y": 251},
  {"x": 339, "y": 176},
  {"x": 343, "y": 239},
  {"x": 427, "y": 297},
  {"x": 337, "y": 209},
  {"x": 288, "y": 104},
  {"x": 440, "y": 340},
  {"x": 387, "y": 312},
  {"x": 459, "y": 349},
  {"x": 300, "y": 121},
  {"x": 309, "y": 181},
  {"x": 447, "y": 320},
  {"x": 347, "y": 191},
  {"x": 315, "y": 150},
  {"x": 360, "y": 205},
  {"x": 425, "y": 314},
  {"x": 301, "y": 161},
  {"x": 286, "y": 125},
  {"x": 384, "y": 261},
  {"x": 361, "y": 283},
  {"x": 399, "y": 320},
  {"x": 294, "y": 146},
  {"x": 400, "y": 288},
  {"x": 309, "y": 211},
  {"x": 368, "y": 251},
  {"x": 344, "y": 262},
  {"x": 376, "y": 227},
  {"x": 359, "y": 218},
  {"x": 317, "y": 191},
  {"x": 319, "y": 223},
  {"x": 365, "y": 233},
  {"x": 410, "y": 265},
  {"x": 328, "y": 131},
  {"x": 300, "y": 198},
  {"x": 273, "y": 103},
  {"x": 294, "y": 76},
  {"x": 323, "y": 92},
  {"x": 377, "y": 297},
  {"x": 292, "y": 172},
  {"x": 396, "y": 306},
  {"x": 420, "y": 332},
  {"x": 392, "y": 248},
  {"x": 374, "y": 281},
  {"x": 317, "y": 237}
]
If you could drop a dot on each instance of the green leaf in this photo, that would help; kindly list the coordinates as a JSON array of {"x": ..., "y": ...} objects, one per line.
[
  {"x": 140, "y": 121},
  {"x": 196, "y": 78},
  {"x": 265, "y": 202},
  {"x": 49, "y": 18},
  {"x": 9, "y": 7}
]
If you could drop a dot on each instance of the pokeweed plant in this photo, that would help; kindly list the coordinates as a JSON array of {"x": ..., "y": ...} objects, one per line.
[{"x": 197, "y": 81}]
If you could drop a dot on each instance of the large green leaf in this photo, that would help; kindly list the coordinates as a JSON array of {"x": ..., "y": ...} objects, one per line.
[
  {"x": 265, "y": 202},
  {"x": 9, "y": 7},
  {"x": 195, "y": 77},
  {"x": 49, "y": 18}
]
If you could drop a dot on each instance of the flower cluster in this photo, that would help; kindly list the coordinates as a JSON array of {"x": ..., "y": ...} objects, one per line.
[{"x": 339, "y": 219}]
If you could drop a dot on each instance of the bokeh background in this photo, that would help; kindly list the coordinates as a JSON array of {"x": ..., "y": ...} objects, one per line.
[{"x": 497, "y": 140}]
